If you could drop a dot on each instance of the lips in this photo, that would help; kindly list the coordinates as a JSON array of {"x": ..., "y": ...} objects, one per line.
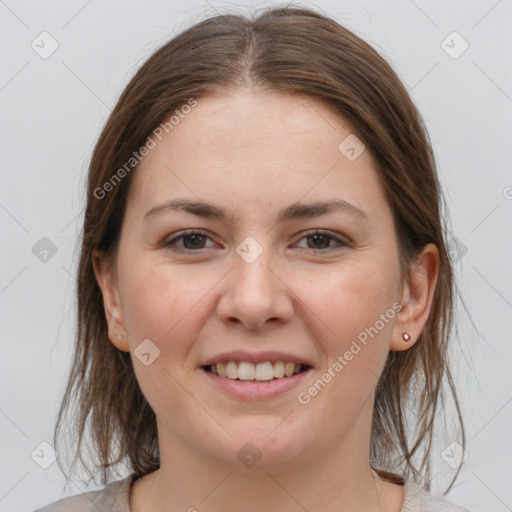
[
  {"x": 239, "y": 356},
  {"x": 253, "y": 389}
]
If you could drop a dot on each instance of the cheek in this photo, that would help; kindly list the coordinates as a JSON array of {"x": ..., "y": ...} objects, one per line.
[
  {"x": 356, "y": 309},
  {"x": 163, "y": 303},
  {"x": 353, "y": 296}
]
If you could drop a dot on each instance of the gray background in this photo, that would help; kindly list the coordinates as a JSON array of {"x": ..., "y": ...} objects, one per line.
[{"x": 53, "y": 109}]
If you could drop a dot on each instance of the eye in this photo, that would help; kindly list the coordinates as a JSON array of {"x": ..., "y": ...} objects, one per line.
[
  {"x": 191, "y": 240},
  {"x": 320, "y": 240}
]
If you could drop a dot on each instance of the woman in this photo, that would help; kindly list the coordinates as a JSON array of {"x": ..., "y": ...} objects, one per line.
[{"x": 264, "y": 293}]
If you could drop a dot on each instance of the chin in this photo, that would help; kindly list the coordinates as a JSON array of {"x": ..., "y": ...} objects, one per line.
[{"x": 260, "y": 449}]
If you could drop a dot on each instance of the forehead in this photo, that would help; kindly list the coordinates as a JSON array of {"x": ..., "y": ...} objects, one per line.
[{"x": 255, "y": 147}]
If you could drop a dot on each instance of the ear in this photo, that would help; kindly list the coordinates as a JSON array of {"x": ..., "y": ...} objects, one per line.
[
  {"x": 109, "y": 289},
  {"x": 416, "y": 300}
]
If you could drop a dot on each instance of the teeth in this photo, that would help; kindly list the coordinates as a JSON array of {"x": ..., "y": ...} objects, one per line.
[
  {"x": 221, "y": 369},
  {"x": 279, "y": 369},
  {"x": 262, "y": 371},
  {"x": 245, "y": 370},
  {"x": 232, "y": 370}
]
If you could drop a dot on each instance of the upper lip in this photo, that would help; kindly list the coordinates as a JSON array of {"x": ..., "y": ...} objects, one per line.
[{"x": 253, "y": 357}]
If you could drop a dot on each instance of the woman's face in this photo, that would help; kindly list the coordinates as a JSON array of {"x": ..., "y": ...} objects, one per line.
[{"x": 192, "y": 287}]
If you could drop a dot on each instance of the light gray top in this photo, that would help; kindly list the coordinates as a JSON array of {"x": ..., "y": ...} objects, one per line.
[{"x": 115, "y": 497}]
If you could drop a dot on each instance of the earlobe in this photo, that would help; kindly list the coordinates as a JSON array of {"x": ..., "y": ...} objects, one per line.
[
  {"x": 111, "y": 303},
  {"x": 416, "y": 300},
  {"x": 120, "y": 341}
]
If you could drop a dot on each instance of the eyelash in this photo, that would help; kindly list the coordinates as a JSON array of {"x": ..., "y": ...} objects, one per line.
[{"x": 184, "y": 234}]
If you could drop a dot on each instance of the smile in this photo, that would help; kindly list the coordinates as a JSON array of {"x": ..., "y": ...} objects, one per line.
[
  {"x": 249, "y": 381},
  {"x": 266, "y": 371}
]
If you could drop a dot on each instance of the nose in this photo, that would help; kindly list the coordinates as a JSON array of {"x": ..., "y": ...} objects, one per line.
[{"x": 255, "y": 294}]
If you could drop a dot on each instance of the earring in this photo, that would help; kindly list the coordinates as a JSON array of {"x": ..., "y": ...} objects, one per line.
[
  {"x": 119, "y": 337},
  {"x": 405, "y": 336}
]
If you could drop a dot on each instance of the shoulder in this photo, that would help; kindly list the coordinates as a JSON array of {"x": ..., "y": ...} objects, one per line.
[
  {"x": 416, "y": 499},
  {"x": 114, "y": 497}
]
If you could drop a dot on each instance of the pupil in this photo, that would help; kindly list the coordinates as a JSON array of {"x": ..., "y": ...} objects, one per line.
[
  {"x": 197, "y": 238},
  {"x": 317, "y": 237}
]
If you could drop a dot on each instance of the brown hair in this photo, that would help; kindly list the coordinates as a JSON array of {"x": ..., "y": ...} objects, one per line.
[{"x": 290, "y": 50}]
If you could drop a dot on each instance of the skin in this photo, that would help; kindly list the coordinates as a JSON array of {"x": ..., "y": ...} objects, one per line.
[{"x": 254, "y": 153}]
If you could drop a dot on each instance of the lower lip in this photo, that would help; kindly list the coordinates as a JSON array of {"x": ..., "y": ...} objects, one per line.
[{"x": 250, "y": 390}]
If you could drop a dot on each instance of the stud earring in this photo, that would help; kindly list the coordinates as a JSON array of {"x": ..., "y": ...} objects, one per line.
[
  {"x": 405, "y": 336},
  {"x": 119, "y": 337}
]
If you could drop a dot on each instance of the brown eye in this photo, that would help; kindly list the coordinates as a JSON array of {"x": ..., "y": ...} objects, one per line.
[
  {"x": 319, "y": 241},
  {"x": 322, "y": 241},
  {"x": 193, "y": 241},
  {"x": 190, "y": 242}
]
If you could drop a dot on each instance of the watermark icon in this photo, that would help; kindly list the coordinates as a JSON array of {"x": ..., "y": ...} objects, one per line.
[
  {"x": 507, "y": 192},
  {"x": 44, "y": 250},
  {"x": 304, "y": 397},
  {"x": 456, "y": 249},
  {"x": 351, "y": 147},
  {"x": 454, "y": 45},
  {"x": 151, "y": 143},
  {"x": 44, "y": 45},
  {"x": 454, "y": 455},
  {"x": 44, "y": 455},
  {"x": 146, "y": 352},
  {"x": 249, "y": 455},
  {"x": 249, "y": 250}
]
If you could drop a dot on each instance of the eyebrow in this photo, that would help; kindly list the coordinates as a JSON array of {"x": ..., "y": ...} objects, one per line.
[{"x": 294, "y": 211}]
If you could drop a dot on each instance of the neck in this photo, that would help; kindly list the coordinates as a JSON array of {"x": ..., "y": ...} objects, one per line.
[{"x": 333, "y": 476}]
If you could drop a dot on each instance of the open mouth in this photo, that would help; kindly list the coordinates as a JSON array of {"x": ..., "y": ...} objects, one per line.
[{"x": 261, "y": 372}]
